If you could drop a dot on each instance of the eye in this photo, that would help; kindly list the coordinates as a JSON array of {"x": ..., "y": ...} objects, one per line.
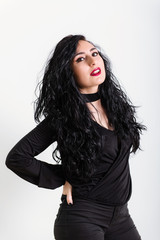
[
  {"x": 94, "y": 54},
  {"x": 80, "y": 59}
]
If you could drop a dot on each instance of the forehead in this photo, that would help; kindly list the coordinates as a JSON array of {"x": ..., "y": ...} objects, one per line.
[{"x": 84, "y": 46}]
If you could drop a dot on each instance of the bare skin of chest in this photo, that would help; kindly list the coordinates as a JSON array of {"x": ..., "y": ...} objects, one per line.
[{"x": 99, "y": 114}]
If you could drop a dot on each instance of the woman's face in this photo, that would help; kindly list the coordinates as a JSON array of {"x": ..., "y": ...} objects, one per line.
[{"x": 88, "y": 67}]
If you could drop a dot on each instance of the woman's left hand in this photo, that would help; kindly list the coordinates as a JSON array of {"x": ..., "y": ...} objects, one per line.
[{"x": 67, "y": 190}]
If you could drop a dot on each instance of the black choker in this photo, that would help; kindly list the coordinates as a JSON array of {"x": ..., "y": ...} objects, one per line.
[{"x": 90, "y": 97}]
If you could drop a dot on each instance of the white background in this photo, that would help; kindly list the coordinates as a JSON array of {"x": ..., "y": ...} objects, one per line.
[{"x": 128, "y": 32}]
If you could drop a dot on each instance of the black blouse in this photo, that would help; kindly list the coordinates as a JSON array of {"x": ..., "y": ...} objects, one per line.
[{"x": 111, "y": 183}]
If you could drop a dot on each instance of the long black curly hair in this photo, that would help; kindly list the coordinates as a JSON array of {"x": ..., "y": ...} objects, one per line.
[{"x": 60, "y": 99}]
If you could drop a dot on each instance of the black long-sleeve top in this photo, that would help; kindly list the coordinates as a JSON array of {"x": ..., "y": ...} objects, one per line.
[{"x": 110, "y": 184}]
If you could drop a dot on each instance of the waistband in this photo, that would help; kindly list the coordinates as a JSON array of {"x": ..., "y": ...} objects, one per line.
[
  {"x": 98, "y": 205},
  {"x": 88, "y": 210}
]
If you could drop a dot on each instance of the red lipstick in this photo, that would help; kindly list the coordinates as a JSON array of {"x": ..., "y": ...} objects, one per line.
[{"x": 96, "y": 72}]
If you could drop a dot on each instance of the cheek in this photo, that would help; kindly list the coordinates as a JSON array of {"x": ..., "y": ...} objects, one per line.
[
  {"x": 77, "y": 71},
  {"x": 103, "y": 68},
  {"x": 80, "y": 72}
]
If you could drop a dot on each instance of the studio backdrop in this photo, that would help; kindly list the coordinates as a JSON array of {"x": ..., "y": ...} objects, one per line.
[{"x": 128, "y": 33}]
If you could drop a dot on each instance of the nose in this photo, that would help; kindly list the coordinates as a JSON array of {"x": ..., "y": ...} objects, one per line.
[{"x": 91, "y": 61}]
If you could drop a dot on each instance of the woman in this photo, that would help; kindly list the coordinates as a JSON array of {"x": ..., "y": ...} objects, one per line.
[{"x": 93, "y": 122}]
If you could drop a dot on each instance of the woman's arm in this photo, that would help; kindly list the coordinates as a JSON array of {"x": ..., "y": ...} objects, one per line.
[{"x": 21, "y": 159}]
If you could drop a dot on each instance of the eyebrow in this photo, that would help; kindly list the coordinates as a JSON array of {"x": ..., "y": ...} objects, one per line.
[{"x": 84, "y": 52}]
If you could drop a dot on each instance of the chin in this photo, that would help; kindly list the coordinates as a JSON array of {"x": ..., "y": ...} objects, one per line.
[{"x": 100, "y": 80}]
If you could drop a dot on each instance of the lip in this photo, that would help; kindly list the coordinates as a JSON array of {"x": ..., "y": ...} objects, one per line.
[{"x": 95, "y": 74}]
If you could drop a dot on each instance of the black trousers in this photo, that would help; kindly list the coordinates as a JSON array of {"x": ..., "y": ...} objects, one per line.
[{"x": 86, "y": 220}]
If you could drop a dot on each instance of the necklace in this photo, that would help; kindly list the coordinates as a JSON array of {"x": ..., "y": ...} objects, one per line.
[{"x": 91, "y": 97}]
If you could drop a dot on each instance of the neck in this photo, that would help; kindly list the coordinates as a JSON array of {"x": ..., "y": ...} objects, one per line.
[{"x": 91, "y": 97}]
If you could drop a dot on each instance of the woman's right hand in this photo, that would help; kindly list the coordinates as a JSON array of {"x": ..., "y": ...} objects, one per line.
[{"x": 67, "y": 190}]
